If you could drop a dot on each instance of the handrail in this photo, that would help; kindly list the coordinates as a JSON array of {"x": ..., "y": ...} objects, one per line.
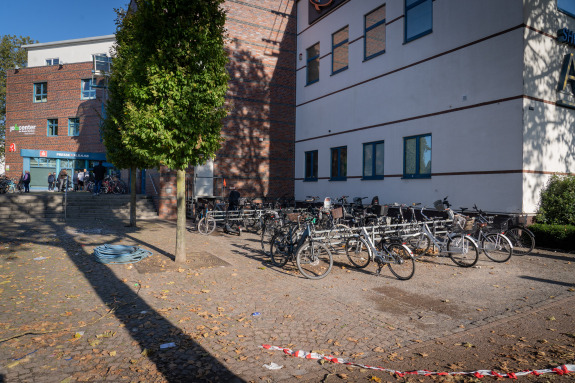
[{"x": 153, "y": 183}]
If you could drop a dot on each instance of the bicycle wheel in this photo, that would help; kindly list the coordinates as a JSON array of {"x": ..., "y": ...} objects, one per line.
[
  {"x": 358, "y": 252},
  {"x": 462, "y": 250},
  {"x": 337, "y": 237},
  {"x": 314, "y": 260},
  {"x": 419, "y": 243},
  {"x": 522, "y": 239},
  {"x": 279, "y": 249},
  {"x": 403, "y": 263},
  {"x": 206, "y": 226},
  {"x": 497, "y": 247}
]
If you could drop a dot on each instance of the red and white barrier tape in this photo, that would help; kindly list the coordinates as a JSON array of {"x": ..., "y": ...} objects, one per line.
[{"x": 561, "y": 370}]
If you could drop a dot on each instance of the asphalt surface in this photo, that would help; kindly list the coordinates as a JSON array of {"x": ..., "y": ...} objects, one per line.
[{"x": 66, "y": 318}]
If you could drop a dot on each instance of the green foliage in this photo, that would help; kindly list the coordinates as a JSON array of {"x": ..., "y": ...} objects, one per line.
[
  {"x": 10, "y": 55},
  {"x": 557, "y": 201},
  {"x": 169, "y": 80},
  {"x": 561, "y": 237}
]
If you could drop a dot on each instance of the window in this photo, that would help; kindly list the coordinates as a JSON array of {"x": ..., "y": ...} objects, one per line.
[
  {"x": 339, "y": 163},
  {"x": 339, "y": 50},
  {"x": 417, "y": 156},
  {"x": 88, "y": 90},
  {"x": 55, "y": 61},
  {"x": 373, "y": 161},
  {"x": 102, "y": 63},
  {"x": 374, "y": 38},
  {"x": 418, "y": 18},
  {"x": 73, "y": 126},
  {"x": 53, "y": 127},
  {"x": 41, "y": 92},
  {"x": 310, "y": 166},
  {"x": 566, "y": 6},
  {"x": 312, "y": 64}
]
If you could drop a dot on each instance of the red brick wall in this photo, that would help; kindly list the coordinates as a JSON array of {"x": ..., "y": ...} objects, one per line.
[{"x": 64, "y": 101}]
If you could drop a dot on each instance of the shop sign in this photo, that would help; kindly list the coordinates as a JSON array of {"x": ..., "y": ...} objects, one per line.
[
  {"x": 12, "y": 147},
  {"x": 26, "y": 129},
  {"x": 319, "y": 8},
  {"x": 74, "y": 155},
  {"x": 320, "y": 3},
  {"x": 43, "y": 153},
  {"x": 566, "y": 36},
  {"x": 567, "y": 81}
]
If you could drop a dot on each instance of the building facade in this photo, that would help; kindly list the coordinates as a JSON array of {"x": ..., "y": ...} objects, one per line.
[
  {"x": 53, "y": 110},
  {"x": 415, "y": 100}
]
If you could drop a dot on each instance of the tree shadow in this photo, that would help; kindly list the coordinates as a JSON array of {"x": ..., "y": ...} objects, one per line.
[{"x": 187, "y": 361}]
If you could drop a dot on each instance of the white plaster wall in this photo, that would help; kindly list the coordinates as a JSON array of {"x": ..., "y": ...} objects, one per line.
[
  {"x": 70, "y": 51},
  {"x": 424, "y": 98}
]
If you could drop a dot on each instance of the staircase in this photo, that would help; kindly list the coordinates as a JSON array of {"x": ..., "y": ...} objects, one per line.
[{"x": 49, "y": 207}]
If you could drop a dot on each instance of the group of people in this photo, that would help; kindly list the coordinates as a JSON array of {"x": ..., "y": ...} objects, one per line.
[{"x": 79, "y": 179}]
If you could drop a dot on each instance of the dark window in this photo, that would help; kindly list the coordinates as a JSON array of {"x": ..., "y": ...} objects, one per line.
[
  {"x": 41, "y": 92},
  {"x": 311, "y": 165},
  {"x": 312, "y": 64},
  {"x": 73, "y": 126},
  {"x": 418, "y": 18},
  {"x": 566, "y": 6},
  {"x": 52, "y": 127},
  {"x": 417, "y": 156},
  {"x": 374, "y": 40},
  {"x": 55, "y": 61},
  {"x": 339, "y": 163},
  {"x": 373, "y": 160},
  {"x": 339, "y": 50}
]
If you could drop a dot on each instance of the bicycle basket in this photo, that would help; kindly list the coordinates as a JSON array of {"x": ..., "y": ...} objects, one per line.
[
  {"x": 337, "y": 212},
  {"x": 462, "y": 223},
  {"x": 380, "y": 210},
  {"x": 293, "y": 217}
]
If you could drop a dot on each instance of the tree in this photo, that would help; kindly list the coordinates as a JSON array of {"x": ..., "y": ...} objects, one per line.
[
  {"x": 113, "y": 127},
  {"x": 11, "y": 55},
  {"x": 177, "y": 79}
]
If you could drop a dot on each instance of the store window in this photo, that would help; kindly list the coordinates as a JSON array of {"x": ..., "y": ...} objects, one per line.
[
  {"x": 42, "y": 162},
  {"x": 73, "y": 126},
  {"x": 374, "y": 36},
  {"x": 373, "y": 160},
  {"x": 417, "y": 156},
  {"x": 54, "y": 61},
  {"x": 418, "y": 18},
  {"x": 52, "y": 127},
  {"x": 339, "y": 164},
  {"x": 40, "y": 92},
  {"x": 566, "y": 6},
  {"x": 312, "y": 64},
  {"x": 311, "y": 166},
  {"x": 88, "y": 90},
  {"x": 339, "y": 50}
]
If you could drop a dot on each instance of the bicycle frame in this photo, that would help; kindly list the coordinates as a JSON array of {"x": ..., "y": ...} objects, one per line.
[{"x": 441, "y": 243}]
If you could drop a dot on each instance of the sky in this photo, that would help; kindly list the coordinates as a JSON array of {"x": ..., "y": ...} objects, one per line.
[{"x": 47, "y": 21}]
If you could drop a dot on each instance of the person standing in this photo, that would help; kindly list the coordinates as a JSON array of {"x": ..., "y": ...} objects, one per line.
[
  {"x": 81, "y": 180},
  {"x": 26, "y": 182},
  {"x": 99, "y": 173},
  {"x": 62, "y": 180},
  {"x": 51, "y": 180}
]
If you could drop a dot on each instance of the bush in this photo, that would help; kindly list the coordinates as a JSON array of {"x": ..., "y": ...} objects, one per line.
[
  {"x": 557, "y": 201},
  {"x": 560, "y": 237}
]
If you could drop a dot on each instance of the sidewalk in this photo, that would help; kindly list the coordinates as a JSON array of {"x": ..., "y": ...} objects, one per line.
[{"x": 72, "y": 319}]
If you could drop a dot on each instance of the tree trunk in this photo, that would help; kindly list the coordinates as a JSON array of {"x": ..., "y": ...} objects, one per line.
[
  {"x": 133, "y": 201},
  {"x": 181, "y": 223}
]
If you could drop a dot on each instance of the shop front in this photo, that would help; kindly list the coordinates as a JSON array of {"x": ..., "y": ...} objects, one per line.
[{"x": 41, "y": 163}]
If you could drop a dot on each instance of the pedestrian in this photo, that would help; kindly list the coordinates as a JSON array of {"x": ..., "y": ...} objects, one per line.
[
  {"x": 81, "y": 176},
  {"x": 99, "y": 173},
  {"x": 62, "y": 180},
  {"x": 26, "y": 181},
  {"x": 51, "y": 180},
  {"x": 75, "y": 180}
]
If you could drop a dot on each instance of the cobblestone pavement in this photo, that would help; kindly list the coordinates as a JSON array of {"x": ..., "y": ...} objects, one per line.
[{"x": 66, "y": 318}]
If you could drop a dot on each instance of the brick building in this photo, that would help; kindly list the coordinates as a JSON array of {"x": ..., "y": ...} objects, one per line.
[{"x": 57, "y": 112}]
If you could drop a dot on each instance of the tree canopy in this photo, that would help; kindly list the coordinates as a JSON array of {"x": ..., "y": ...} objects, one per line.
[{"x": 11, "y": 55}]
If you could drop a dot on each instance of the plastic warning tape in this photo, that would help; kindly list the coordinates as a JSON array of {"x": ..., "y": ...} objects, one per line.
[{"x": 561, "y": 370}]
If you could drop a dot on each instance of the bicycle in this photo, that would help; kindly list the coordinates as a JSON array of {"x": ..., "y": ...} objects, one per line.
[
  {"x": 495, "y": 245},
  {"x": 457, "y": 243},
  {"x": 313, "y": 258},
  {"x": 360, "y": 251},
  {"x": 522, "y": 238}
]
